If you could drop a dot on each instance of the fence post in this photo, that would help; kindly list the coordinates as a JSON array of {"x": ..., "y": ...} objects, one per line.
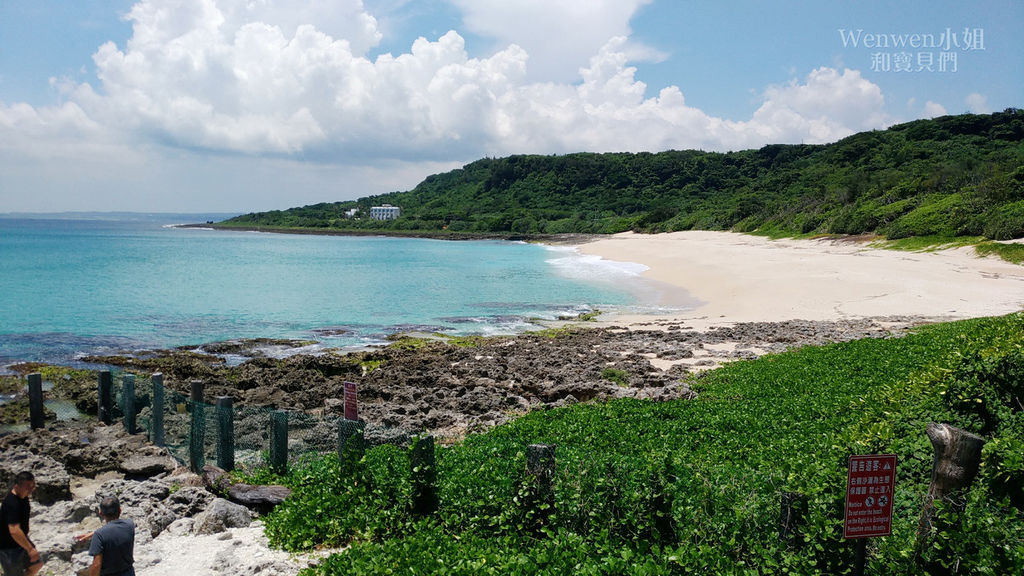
[
  {"x": 197, "y": 435},
  {"x": 424, "y": 477},
  {"x": 540, "y": 465},
  {"x": 105, "y": 403},
  {"x": 128, "y": 394},
  {"x": 35, "y": 401},
  {"x": 157, "y": 423},
  {"x": 954, "y": 467},
  {"x": 279, "y": 441},
  {"x": 225, "y": 433},
  {"x": 792, "y": 508},
  {"x": 351, "y": 440}
]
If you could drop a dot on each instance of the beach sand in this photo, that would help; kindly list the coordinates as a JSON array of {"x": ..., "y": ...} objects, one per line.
[{"x": 725, "y": 277}]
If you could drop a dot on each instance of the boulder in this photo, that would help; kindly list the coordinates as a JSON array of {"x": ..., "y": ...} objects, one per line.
[
  {"x": 216, "y": 479},
  {"x": 131, "y": 493},
  {"x": 53, "y": 483},
  {"x": 140, "y": 501},
  {"x": 220, "y": 516},
  {"x": 145, "y": 466},
  {"x": 189, "y": 501}
]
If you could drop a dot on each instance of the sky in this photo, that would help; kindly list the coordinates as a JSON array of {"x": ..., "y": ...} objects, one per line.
[{"x": 251, "y": 105}]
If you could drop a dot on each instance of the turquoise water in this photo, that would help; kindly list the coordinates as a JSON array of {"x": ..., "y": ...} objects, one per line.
[{"x": 73, "y": 287}]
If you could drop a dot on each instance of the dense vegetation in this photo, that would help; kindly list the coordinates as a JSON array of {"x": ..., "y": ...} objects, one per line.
[
  {"x": 951, "y": 176},
  {"x": 694, "y": 487}
]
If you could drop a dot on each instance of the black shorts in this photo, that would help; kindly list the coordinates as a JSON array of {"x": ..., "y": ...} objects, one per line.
[{"x": 14, "y": 561}]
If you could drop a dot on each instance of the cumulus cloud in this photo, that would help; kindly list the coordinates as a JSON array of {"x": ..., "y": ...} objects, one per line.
[
  {"x": 933, "y": 109},
  {"x": 295, "y": 82},
  {"x": 559, "y": 35},
  {"x": 977, "y": 103}
]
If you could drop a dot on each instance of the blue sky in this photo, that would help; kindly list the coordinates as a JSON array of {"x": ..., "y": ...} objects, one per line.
[{"x": 242, "y": 105}]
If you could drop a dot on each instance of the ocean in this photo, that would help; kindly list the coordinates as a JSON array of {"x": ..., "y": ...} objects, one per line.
[{"x": 109, "y": 284}]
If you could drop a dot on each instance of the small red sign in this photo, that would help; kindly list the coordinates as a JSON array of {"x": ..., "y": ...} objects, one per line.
[
  {"x": 870, "y": 482},
  {"x": 351, "y": 407}
]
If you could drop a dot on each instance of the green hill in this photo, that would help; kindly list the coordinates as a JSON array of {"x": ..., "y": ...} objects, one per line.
[{"x": 950, "y": 176}]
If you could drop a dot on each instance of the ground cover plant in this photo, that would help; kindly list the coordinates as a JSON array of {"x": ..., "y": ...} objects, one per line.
[{"x": 694, "y": 487}]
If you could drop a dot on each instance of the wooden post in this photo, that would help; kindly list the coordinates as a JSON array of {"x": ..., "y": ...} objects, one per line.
[
  {"x": 540, "y": 466},
  {"x": 157, "y": 423},
  {"x": 35, "y": 401},
  {"x": 956, "y": 463},
  {"x": 424, "y": 477},
  {"x": 279, "y": 441},
  {"x": 791, "y": 515},
  {"x": 197, "y": 434},
  {"x": 351, "y": 440},
  {"x": 105, "y": 403},
  {"x": 128, "y": 397},
  {"x": 225, "y": 433}
]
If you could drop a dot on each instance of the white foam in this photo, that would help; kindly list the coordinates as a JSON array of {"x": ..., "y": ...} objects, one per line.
[{"x": 570, "y": 263}]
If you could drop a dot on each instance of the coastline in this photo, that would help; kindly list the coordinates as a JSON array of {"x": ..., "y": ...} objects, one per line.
[
  {"x": 553, "y": 239},
  {"x": 737, "y": 277}
]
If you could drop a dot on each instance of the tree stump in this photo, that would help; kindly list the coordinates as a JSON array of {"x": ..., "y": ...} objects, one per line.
[{"x": 957, "y": 459}]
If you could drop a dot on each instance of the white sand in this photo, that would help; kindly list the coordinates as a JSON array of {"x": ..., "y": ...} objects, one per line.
[{"x": 743, "y": 278}]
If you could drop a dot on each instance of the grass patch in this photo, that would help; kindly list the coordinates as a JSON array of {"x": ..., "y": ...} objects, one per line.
[
  {"x": 620, "y": 377},
  {"x": 1010, "y": 252},
  {"x": 927, "y": 243}
]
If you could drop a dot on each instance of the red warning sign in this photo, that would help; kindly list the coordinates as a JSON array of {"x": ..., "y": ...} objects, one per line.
[
  {"x": 351, "y": 406},
  {"x": 870, "y": 481}
]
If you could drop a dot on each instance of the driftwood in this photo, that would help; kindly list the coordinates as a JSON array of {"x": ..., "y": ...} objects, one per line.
[{"x": 957, "y": 458}]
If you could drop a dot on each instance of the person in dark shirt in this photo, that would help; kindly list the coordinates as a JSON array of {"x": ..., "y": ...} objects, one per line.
[
  {"x": 113, "y": 545},
  {"x": 18, "y": 556}
]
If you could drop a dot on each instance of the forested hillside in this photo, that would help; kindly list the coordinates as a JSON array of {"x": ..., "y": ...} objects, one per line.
[{"x": 950, "y": 176}]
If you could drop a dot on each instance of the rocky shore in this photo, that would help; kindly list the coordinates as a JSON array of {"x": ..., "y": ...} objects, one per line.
[
  {"x": 453, "y": 386},
  {"x": 447, "y": 386},
  {"x": 183, "y": 526}
]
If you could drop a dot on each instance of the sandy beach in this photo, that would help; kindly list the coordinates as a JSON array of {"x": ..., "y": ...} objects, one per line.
[{"x": 725, "y": 277}]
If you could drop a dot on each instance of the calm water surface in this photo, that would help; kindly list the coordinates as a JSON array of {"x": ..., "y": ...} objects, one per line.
[{"x": 73, "y": 287}]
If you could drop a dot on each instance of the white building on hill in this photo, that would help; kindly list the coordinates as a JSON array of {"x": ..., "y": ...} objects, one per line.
[{"x": 385, "y": 212}]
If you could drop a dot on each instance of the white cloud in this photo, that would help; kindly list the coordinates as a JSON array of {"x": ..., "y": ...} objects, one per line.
[
  {"x": 933, "y": 109},
  {"x": 559, "y": 35},
  {"x": 255, "y": 79},
  {"x": 976, "y": 103}
]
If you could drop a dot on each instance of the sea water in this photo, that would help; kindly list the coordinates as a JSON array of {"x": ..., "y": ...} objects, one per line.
[{"x": 71, "y": 287}]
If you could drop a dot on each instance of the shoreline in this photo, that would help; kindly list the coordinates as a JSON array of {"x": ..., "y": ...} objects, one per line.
[
  {"x": 552, "y": 239},
  {"x": 736, "y": 278}
]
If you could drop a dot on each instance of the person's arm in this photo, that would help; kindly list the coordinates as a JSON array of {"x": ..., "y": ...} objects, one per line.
[
  {"x": 97, "y": 564},
  {"x": 23, "y": 541}
]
